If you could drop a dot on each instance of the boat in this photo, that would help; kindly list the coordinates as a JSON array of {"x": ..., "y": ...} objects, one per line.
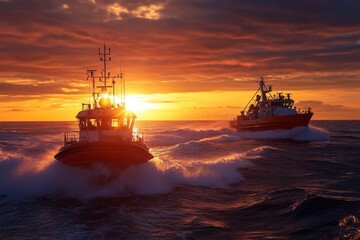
[
  {"x": 107, "y": 134},
  {"x": 270, "y": 112}
]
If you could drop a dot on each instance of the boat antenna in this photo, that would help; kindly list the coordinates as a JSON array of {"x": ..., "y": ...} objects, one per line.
[
  {"x": 122, "y": 80},
  {"x": 105, "y": 57},
  {"x": 89, "y": 87},
  {"x": 113, "y": 91},
  {"x": 91, "y": 75}
]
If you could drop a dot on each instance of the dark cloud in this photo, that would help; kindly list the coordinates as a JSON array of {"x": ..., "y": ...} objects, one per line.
[
  {"x": 28, "y": 89},
  {"x": 181, "y": 45}
]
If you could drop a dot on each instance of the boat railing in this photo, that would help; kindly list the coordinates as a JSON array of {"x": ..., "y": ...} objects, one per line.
[
  {"x": 138, "y": 137},
  {"x": 74, "y": 136},
  {"x": 71, "y": 137},
  {"x": 303, "y": 110}
]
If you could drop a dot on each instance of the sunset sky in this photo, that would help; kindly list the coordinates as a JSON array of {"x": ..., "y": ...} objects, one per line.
[{"x": 183, "y": 59}]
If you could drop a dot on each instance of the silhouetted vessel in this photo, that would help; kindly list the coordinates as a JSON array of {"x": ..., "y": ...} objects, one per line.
[
  {"x": 106, "y": 129},
  {"x": 270, "y": 112}
]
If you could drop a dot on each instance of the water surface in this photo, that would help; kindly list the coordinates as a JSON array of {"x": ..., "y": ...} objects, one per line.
[{"x": 205, "y": 182}]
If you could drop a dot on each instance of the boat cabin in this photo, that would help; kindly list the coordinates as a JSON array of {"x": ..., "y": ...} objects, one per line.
[
  {"x": 106, "y": 119},
  {"x": 106, "y": 124},
  {"x": 265, "y": 105}
]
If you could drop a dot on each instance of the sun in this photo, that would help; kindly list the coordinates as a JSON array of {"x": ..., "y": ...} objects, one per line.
[{"x": 137, "y": 103}]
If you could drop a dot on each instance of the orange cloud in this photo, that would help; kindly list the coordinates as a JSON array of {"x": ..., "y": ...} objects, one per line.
[{"x": 180, "y": 47}]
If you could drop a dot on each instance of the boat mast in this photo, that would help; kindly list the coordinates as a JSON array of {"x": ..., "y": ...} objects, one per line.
[
  {"x": 264, "y": 89},
  {"x": 122, "y": 80},
  {"x": 105, "y": 58},
  {"x": 123, "y": 85},
  {"x": 263, "y": 92},
  {"x": 90, "y": 74},
  {"x": 104, "y": 77}
]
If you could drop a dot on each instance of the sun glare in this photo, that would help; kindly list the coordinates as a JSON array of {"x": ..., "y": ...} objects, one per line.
[{"x": 137, "y": 103}]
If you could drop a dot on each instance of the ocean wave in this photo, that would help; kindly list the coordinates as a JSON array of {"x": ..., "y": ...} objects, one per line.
[
  {"x": 11, "y": 135},
  {"x": 23, "y": 176},
  {"x": 30, "y": 169},
  {"x": 280, "y": 201},
  {"x": 203, "y": 146},
  {"x": 310, "y": 133},
  {"x": 182, "y": 136},
  {"x": 208, "y": 145},
  {"x": 167, "y": 138},
  {"x": 313, "y": 203},
  {"x": 186, "y": 157}
]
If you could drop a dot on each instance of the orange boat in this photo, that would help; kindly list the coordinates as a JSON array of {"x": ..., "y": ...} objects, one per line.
[
  {"x": 270, "y": 112},
  {"x": 106, "y": 129}
]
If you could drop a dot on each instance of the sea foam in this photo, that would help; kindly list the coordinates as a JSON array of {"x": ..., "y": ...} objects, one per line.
[
  {"x": 23, "y": 178},
  {"x": 182, "y": 157},
  {"x": 297, "y": 134}
]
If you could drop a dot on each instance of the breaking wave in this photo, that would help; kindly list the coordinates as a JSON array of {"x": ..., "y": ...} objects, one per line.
[
  {"x": 182, "y": 157},
  {"x": 168, "y": 138},
  {"x": 26, "y": 175},
  {"x": 297, "y": 134},
  {"x": 32, "y": 172},
  {"x": 21, "y": 178}
]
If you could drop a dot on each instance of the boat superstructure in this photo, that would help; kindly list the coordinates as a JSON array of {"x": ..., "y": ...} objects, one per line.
[
  {"x": 107, "y": 132},
  {"x": 270, "y": 112}
]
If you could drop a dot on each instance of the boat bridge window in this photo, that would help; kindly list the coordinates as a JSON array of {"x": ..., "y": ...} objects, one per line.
[
  {"x": 87, "y": 124},
  {"x": 82, "y": 124},
  {"x": 106, "y": 123},
  {"x": 115, "y": 123},
  {"x": 120, "y": 123},
  {"x": 91, "y": 124}
]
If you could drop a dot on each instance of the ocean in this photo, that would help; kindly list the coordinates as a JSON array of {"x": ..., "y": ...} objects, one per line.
[{"x": 205, "y": 182}]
